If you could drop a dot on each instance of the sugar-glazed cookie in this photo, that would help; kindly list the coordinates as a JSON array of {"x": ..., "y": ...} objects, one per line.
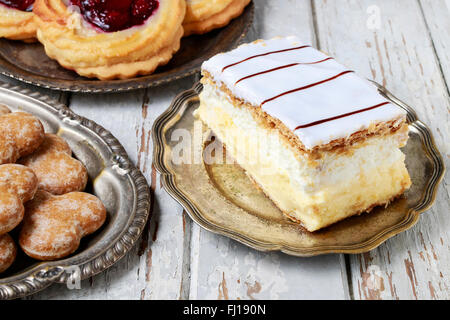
[
  {"x": 9, "y": 153},
  {"x": 22, "y": 130},
  {"x": 17, "y": 20},
  {"x": 110, "y": 39},
  {"x": 8, "y": 252},
  {"x": 205, "y": 15},
  {"x": 56, "y": 170},
  {"x": 18, "y": 185},
  {"x": 54, "y": 225},
  {"x": 8, "y": 149}
]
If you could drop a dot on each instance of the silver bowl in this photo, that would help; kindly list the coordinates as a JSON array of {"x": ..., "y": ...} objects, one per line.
[{"x": 112, "y": 177}]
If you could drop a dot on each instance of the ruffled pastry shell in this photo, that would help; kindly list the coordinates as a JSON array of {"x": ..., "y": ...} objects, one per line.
[
  {"x": 79, "y": 46},
  {"x": 17, "y": 25},
  {"x": 205, "y": 15}
]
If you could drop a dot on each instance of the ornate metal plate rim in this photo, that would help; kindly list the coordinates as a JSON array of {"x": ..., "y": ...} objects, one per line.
[
  {"x": 168, "y": 180},
  {"x": 47, "y": 273}
]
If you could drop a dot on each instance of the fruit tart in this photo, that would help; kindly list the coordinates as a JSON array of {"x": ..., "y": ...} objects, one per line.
[
  {"x": 203, "y": 16},
  {"x": 114, "y": 39},
  {"x": 17, "y": 21}
]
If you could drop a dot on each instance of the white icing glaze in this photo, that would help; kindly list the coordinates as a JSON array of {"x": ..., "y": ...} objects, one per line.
[{"x": 345, "y": 94}]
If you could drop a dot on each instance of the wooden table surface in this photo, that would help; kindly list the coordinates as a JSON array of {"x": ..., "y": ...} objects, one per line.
[{"x": 403, "y": 44}]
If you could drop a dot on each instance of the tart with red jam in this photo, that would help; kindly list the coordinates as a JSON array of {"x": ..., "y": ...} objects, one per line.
[
  {"x": 203, "y": 16},
  {"x": 17, "y": 21},
  {"x": 110, "y": 39}
]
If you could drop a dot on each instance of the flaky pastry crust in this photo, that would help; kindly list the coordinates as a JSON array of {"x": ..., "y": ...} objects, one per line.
[
  {"x": 17, "y": 25},
  {"x": 205, "y": 15},
  {"x": 79, "y": 46}
]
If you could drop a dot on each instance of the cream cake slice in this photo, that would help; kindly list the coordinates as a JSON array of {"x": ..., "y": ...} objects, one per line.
[{"x": 320, "y": 141}]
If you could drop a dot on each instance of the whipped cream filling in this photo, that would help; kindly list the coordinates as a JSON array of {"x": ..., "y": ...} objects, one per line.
[
  {"x": 312, "y": 94},
  {"x": 309, "y": 176}
]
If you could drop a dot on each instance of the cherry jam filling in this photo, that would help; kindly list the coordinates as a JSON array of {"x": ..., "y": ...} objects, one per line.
[
  {"x": 116, "y": 15},
  {"x": 22, "y": 5}
]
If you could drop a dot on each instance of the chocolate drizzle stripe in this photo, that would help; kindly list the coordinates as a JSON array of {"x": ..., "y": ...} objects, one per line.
[
  {"x": 280, "y": 68},
  {"x": 307, "y": 87},
  {"x": 340, "y": 116},
  {"x": 267, "y": 71},
  {"x": 264, "y": 54}
]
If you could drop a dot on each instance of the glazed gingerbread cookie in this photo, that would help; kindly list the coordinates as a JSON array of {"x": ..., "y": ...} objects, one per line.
[
  {"x": 8, "y": 252},
  {"x": 54, "y": 225},
  {"x": 56, "y": 170},
  {"x": 18, "y": 184},
  {"x": 9, "y": 153},
  {"x": 20, "y": 134},
  {"x": 8, "y": 149}
]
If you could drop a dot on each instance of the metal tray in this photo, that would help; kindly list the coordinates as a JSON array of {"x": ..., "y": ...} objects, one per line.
[
  {"x": 222, "y": 199},
  {"x": 30, "y": 64},
  {"x": 112, "y": 177}
]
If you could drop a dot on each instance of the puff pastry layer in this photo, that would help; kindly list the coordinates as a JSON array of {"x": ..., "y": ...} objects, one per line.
[
  {"x": 205, "y": 15},
  {"x": 16, "y": 24},
  {"x": 79, "y": 46}
]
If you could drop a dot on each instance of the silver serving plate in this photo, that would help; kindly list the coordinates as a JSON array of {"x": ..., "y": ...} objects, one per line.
[
  {"x": 113, "y": 178},
  {"x": 222, "y": 199}
]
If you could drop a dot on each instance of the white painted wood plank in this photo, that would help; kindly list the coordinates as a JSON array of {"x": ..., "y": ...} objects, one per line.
[
  {"x": 158, "y": 273},
  {"x": 224, "y": 269},
  {"x": 399, "y": 54},
  {"x": 154, "y": 268},
  {"x": 167, "y": 276},
  {"x": 229, "y": 270},
  {"x": 437, "y": 17}
]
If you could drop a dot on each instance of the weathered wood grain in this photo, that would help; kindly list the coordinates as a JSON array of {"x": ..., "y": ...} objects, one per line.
[
  {"x": 437, "y": 18},
  {"x": 408, "y": 53},
  {"x": 227, "y": 269},
  {"x": 224, "y": 269},
  {"x": 398, "y": 53}
]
